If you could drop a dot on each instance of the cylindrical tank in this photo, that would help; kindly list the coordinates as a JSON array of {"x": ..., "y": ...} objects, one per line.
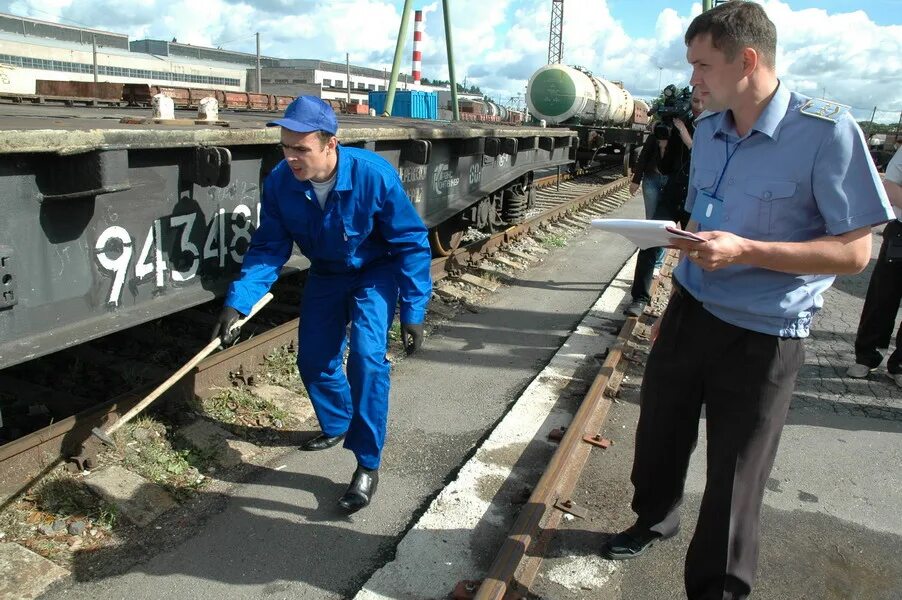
[
  {"x": 558, "y": 93},
  {"x": 496, "y": 110}
]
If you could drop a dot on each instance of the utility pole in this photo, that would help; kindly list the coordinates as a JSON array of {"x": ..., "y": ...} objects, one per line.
[
  {"x": 259, "y": 75},
  {"x": 556, "y": 33},
  {"x": 455, "y": 108},
  {"x": 899, "y": 125},
  {"x": 348, "y": 74},
  {"x": 94, "y": 52},
  {"x": 871, "y": 126},
  {"x": 396, "y": 63}
]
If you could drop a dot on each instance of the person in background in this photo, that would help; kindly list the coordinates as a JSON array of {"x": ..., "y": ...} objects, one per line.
[
  {"x": 881, "y": 304},
  {"x": 647, "y": 174},
  {"x": 672, "y": 162},
  {"x": 349, "y": 215}
]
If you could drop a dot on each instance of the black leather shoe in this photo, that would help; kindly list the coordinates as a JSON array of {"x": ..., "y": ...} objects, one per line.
[
  {"x": 631, "y": 543},
  {"x": 361, "y": 491},
  {"x": 321, "y": 442},
  {"x": 635, "y": 308}
]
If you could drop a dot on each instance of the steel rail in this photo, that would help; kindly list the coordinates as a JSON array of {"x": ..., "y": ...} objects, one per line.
[
  {"x": 27, "y": 457},
  {"x": 558, "y": 480},
  {"x": 520, "y": 556},
  {"x": 471, "y": 253}
]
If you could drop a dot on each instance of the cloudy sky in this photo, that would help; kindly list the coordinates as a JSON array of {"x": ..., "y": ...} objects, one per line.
[{"x": 850, "y": 51}]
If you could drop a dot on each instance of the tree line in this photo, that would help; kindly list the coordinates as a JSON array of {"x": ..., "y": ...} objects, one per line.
[{"x": 473, "y": 89}]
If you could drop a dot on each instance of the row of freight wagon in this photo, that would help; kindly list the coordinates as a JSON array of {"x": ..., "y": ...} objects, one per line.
[
  {"x": 419, "y": 104},
  {"x": 415, "y": 104}
]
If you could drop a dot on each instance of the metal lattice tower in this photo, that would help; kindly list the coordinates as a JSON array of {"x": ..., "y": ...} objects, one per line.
[{"x": 556, "y": 33}]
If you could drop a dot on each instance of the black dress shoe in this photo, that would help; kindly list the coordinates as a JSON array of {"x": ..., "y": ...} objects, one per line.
[
  {"x": 635, "y": 308},
  {"x": 321, "y": 442},
  {"x": 631, "y": 543},
  {"x": 361, "y": 491}
]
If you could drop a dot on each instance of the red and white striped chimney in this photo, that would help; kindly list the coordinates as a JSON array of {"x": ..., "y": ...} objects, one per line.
[{"x": 417, "y": 38}]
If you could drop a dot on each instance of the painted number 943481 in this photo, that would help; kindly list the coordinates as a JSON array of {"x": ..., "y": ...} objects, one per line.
[{"x": 227, "y": 237}]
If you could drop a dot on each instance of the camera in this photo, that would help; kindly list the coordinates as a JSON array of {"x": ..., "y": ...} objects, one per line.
[{"x": 674, "y": 103}]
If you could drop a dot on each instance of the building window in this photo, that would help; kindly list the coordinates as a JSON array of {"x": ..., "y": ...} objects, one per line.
[
  {"x": 381, "y": 88},
  {"x": 327, "y": 83},
  {"x": 361, "y": 86},
  {"x": 72, "y": 67},
  {"x": 299, "y": 81},
  {"x": 281, "y": 81},
  {"x": 371, "y": 86}
]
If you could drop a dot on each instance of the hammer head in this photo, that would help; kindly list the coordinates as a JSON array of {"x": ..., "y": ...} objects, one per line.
[{"x": 103, "y": 437}]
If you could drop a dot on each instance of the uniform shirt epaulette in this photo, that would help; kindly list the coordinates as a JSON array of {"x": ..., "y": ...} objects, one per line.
[{"x": 823, "y": 109}]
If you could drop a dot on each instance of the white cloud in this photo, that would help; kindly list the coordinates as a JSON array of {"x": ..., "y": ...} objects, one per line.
[{"x": 498, "y": 44}]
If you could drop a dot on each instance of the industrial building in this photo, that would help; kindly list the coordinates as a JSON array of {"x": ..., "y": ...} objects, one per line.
[{"x": 32, "y": 50}]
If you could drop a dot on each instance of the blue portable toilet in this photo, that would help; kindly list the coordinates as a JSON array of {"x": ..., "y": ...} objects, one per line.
[{"x": 413, "y": 104}]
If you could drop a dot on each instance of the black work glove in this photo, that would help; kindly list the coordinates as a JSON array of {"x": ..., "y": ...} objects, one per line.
[
  {"x": 411, "y": 337},
  {"x": 224, "y": 323}
]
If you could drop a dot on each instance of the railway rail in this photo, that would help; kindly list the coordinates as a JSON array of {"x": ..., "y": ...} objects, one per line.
[
  {"x": 518, "y": 560},
  {"x": 24, "y": 459}
]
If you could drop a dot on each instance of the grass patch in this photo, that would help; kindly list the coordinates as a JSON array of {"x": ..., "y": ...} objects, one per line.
[
  {"x": 238, "y": 406},
  {"x": 143, "y": 447},
  {"x": 394, "y": 333},
  {"x": 63, "y": 496},
  {"x": 63, "y": 499},
  {"x": 554, "y": 241},
  {"x": 281, "y": 368}
]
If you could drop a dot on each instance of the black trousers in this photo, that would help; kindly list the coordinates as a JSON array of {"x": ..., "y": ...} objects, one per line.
[
  {"x": 880, "y": 307},
  {"x": 645, "y": 260},
  {"x": 745, "y": 381}
]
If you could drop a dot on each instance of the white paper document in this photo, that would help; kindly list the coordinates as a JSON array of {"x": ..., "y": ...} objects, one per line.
[{"x": 645, "y": 233}]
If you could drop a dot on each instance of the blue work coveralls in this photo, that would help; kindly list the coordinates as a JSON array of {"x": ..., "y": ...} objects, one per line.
[{"x": 367, "y": 246}]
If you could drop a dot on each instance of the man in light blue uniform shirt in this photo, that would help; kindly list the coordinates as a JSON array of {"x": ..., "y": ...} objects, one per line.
[
  {"x": 346, "y": 210},
  {"x": 784, "y": 193}
]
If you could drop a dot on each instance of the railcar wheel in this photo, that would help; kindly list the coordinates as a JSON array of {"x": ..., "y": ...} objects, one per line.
[{"x": 445, "y": 237}]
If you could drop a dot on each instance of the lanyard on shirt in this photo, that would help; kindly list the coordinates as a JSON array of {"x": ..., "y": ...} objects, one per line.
[{"x": 729, "y": 155}]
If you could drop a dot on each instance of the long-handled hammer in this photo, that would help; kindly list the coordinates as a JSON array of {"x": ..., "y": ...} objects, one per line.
[{"x": 105, "y": 436}]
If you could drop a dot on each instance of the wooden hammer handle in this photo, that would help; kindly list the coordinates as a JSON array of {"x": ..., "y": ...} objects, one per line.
[{"x": 156, "y": 393}]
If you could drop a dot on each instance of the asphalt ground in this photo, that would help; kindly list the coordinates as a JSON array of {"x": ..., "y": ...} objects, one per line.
[{"x": 280, "y": 534}]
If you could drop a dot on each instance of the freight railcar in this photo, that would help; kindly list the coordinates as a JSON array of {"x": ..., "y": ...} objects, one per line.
[
  {"x": 106, "y": 224},
  {"x": 606, "y": 117}
]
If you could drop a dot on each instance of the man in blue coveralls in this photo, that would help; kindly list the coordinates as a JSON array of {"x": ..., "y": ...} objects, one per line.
[
  {"x": 784, "y": 193},
  {"x": 347, "y": 212}
]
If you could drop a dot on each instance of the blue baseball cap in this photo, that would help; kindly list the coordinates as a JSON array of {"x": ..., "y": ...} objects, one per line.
[{"x": 306, "y": 114}]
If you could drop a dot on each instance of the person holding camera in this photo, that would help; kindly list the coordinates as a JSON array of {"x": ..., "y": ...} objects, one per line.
[
  {"x": 784, "y": 195},
  {"x": 674, "y": 136}
]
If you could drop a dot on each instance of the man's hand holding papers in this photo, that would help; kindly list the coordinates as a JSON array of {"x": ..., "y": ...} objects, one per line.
[{"x": 648, "y": 233}]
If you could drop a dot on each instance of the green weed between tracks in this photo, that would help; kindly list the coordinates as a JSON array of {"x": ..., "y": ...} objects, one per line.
[{"x": 554, "y": 241}]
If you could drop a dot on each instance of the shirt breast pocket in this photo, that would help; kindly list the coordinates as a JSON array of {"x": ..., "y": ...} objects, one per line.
[
  {"x": 773, "y": 210},
  {"x": 354, "y": 235},
  {"x": 705, "y": 180}
]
